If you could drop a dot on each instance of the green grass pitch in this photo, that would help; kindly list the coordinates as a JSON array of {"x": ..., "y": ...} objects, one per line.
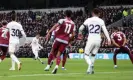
[{"x": 76, "y": 70}]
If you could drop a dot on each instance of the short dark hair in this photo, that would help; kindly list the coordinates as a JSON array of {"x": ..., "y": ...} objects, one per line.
[
  {"x": 116, "y": 28},
  {"x": 13, "y": 15},
  {"x": 4, "y": 22},
  {"x": 38, "y": 34},
  {"x": 68, "y": 13},
  {"x": 96, "y": 11}
]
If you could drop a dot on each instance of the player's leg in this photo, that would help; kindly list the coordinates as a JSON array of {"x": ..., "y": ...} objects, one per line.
[
  {"x": 50, "y": 58},
  {"x": 37, "y": 56},
  {"x": 52, "y": 62},
  {"x": 87, "y": 55},
  {"x": 1, "y": 54},
  {"x": 35, "y": 53},
  {"x": 127, "y": 50},
  {"x": 12, "y": 49},
  {"x": 94, "y": 52},
  {"x": 116, "y": 52},
  {"x": 52, "y": 55},
  {"x": 65, "y": 54},
  {"x": 58, "y": 58},
  {"x": 3, "y": 51}
]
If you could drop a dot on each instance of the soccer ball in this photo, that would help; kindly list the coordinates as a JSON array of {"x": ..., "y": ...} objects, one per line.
[{"x": 81, "y": 50}]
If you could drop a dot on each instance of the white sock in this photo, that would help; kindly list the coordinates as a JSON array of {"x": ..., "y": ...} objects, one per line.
[
  {"x": 39, "y": 59},
  {"x": 13, "y": 63},
  {"x": 52, "y": 61},
  {"x": 89, "y": 68},
  {"x": 48, "y": 66},
  {"x": 92, "y": 60},
  {"x": 14, "y": 58},
  {"x": 87, "y": 59},
  {"x": 36, "y": 55},
  {"x": 56, "y": 66},
  {"x": 0, "y": 60},
  {"x": 115, "y": 65}
]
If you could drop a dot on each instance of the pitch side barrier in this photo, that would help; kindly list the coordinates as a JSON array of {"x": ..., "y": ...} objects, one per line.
[{"x": 99, "y": 56}]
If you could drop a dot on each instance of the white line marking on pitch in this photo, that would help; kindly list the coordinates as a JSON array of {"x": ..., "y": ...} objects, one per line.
[{"x": 59, "y": 74}]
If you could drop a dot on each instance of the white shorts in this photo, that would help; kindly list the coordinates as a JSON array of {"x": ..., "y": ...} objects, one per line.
[
  {"x": 35, "y": 50},
  {"x": 92, "y": 47},
  {"x": 13, "y": 47}
]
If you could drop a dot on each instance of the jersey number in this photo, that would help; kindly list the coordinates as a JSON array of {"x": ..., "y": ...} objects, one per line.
[
  {"x": 68, "y": 28},
  {"x": 3, "y": 30},
  {"x": 94, "y": 29},
  {"x": 15, "y": 32},
  {"x": 119, "y": 37}
]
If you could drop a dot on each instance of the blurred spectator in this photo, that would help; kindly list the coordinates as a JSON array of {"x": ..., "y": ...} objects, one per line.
[{"x": 125, "y": 13}]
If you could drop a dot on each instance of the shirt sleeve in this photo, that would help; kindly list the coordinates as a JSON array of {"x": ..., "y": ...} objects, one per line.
[
  {"x": 22, "y": 31},
  {"x": 60, "y": 21},
  {"x": 81, "y": 29},
  {"x": 123, "y": 35},
  {"x": 112, "y": 36},
  {"x": 74, "y": 29},
  {"x": 85, "y": 23}
]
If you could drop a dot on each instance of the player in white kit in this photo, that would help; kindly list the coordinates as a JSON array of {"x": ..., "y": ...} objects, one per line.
[
  {"x": 16, "y": 32},
  {"x": 36, "y": 47},
  {"x": 94, "y": 26}
]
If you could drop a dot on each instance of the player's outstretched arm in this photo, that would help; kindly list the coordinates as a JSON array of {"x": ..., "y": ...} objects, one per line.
[
  {"x": 80, "y": 36},
  {"x": 51, "y": 30},
  {"x": 106, "y": 34},
  {"x": 125, "y": 40},
  {"x": 115, "y": 43}
]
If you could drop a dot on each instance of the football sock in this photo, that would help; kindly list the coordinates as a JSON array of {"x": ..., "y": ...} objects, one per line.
[
  {"x": 87, "y": 59},
  {"x": 114, "y": 59},
  {"x": 58, "y": 59},
  {"x": 131, "y": 57},
  {"x": 56, "y": 66},
  {"x": 3, "y": 56},
  {"x": 39, "y": 59},
  {"x": 50, "y": 58},
  {"x": 36, "y": 55},
  {"x": 92, "y": 60},
  {"x": 15, "y": 58},
  {"x": 64, "y": 60},
  {"x": 0, "y": 60},
  {"x": 13, "y": 63}
]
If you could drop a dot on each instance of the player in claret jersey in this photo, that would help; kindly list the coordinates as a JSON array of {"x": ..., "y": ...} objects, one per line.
[
  {"x": 4, "y": 42},
  {"x": 119, "y": 41},
  {"x": 65, "y": 29}
]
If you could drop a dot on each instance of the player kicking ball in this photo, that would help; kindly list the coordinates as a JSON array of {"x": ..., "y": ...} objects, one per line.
[
  {"x": 65, "y": 29},
  {"x": 94, "y": 26},
  {"x": 119, "y": 41},
  {"x": 36, "y": 47},
  {"x": 16, "y": 32},
  {"x": 4, "y": 42}
]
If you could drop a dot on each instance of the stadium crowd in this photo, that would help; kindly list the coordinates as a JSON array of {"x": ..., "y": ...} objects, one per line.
[{"x": 41, "y": 22}]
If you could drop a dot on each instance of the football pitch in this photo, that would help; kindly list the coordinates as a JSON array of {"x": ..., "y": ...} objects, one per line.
[{"x": 76, "y": 70}]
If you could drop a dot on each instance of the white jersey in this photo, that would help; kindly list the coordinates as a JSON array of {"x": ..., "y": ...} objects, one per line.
[
  {"x": 15, "y": 29},
  {"x": 95, "y": 25},
  {"x": 35, "y": 44}
]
